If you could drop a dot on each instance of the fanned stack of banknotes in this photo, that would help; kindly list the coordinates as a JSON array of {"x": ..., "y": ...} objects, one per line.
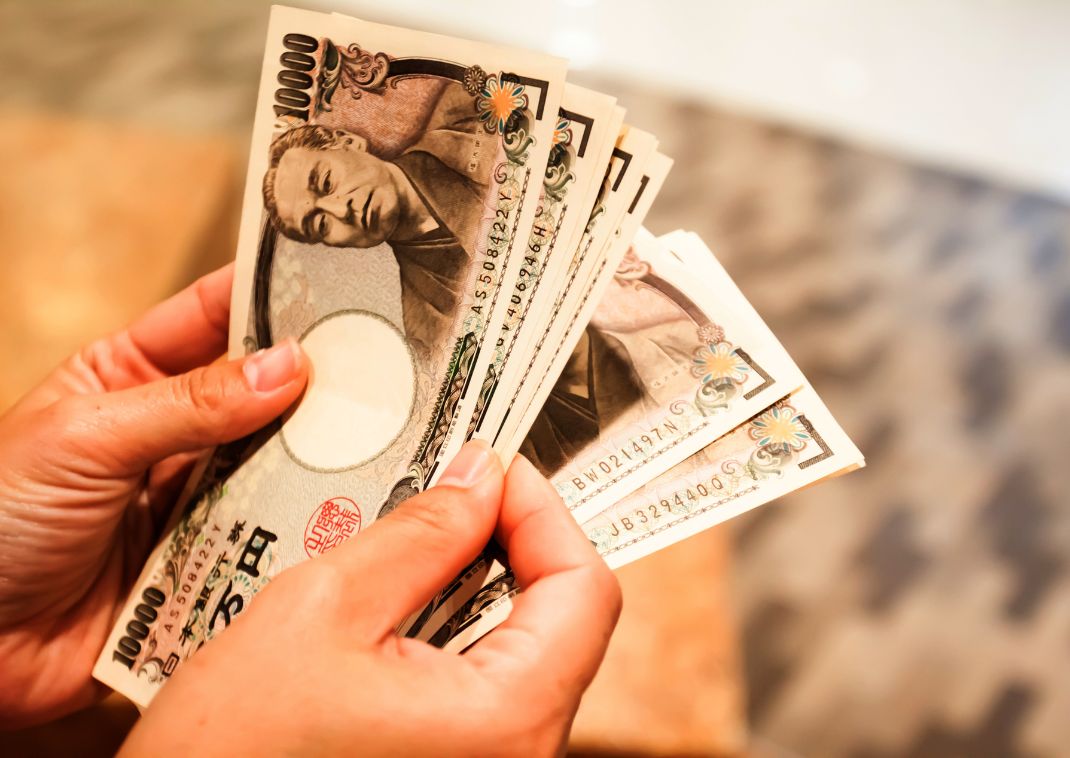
[{"x": 453, "y": 232}]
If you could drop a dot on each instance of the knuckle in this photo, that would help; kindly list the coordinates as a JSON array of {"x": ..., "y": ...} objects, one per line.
[
  {"x": 73, "y": 426},
  {"x": 100, "y": 358},
  {"x": 203, "y": 390},
  {"x": 90, "y": 356},
  {"x": 61, "y": 417},
  {"x": 69, "y": 419}
]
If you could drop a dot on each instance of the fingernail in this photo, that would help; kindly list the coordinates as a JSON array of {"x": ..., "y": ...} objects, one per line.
[
  {"x": 269, "y": 369},
  {"x": 473, "y": 462}
]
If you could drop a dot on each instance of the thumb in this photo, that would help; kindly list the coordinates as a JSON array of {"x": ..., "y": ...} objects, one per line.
[
  {"x": 134, "y": 428},
  {"x": 421, "y": 546}
]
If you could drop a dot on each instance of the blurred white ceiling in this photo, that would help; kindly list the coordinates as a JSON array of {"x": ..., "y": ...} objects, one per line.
[{"x": 982, "y": 85}]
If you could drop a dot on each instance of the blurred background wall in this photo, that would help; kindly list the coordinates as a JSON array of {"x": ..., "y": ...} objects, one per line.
[
  {"x": 888, "y": 183},
  {"x": 974, "y": 84}
]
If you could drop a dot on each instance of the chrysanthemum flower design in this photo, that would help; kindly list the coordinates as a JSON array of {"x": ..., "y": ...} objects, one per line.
[
  {"x": 710, "y": 333},
  {"x": 498, "y": 102},
  {"x": 474, "y": 79},
  {"x": 779, "y": 427},
  {"x": 719, "y": 361}
]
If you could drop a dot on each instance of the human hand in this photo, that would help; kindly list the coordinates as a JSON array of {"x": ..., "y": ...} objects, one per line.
[
  {"x": 91, "y": 462},
  {"x": 313, "y": 665}
]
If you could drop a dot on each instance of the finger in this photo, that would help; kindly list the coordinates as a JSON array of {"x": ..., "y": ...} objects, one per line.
[
  {"x": 405, "y": 558},
  {"x": 562, "y": 620},
  {"x": 189, "y": 329},
  {"x": 127, "y": 431}
]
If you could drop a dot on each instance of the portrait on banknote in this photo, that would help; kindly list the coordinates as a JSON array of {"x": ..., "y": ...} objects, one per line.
[
  {"x": 332, "y": 186},
  {"x": 634, "y": 356},
  {"x": 414, "y": 184},
  {"x": 392, "y": 190}
]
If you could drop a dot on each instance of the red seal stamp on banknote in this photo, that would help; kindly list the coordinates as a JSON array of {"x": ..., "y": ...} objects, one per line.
[{"x": 331, "y": 525}]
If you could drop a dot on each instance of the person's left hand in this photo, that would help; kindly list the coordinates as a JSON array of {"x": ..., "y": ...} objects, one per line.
[{"x": 91, "y": 462}]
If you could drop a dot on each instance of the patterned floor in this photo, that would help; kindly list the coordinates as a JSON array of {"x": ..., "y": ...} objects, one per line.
[{"x": 917, "y": 608}]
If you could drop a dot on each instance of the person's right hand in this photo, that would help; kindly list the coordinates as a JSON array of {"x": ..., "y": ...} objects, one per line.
[{"x": 313, "y": 666}]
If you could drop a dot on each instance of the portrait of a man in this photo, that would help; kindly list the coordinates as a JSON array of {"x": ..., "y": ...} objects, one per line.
[
  {"x": 324, "y": 185},
  {"x": 633, "y": 358}
]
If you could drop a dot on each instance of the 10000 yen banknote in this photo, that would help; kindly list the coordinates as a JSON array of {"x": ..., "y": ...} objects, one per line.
[
  {"x": 481, "y": 598},
  {"x": 790, "y": 445},
  {"x": 622, "y": 185},
  {"x": 671, "y": 359},
  {"x": 623, "y": 175},
  {"x": 588, "y": 124},
  {"x": 393, "y": 177}
]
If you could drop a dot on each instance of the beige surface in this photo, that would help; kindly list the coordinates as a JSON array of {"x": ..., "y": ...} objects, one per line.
[
  {"x": 98, "y": 223},
  {"x": 671, "y": 682},
  {"x": 101, "y": 222}
]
